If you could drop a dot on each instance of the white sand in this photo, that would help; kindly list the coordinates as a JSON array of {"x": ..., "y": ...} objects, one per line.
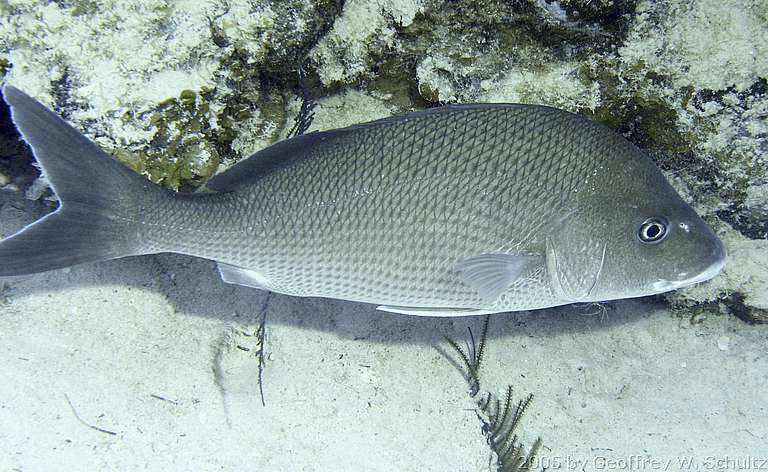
[{"x": 347, "y": 388}]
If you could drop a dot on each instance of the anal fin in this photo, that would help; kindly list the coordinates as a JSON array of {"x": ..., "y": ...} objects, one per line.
[
  {"x": 437, "y": 312},
  {"x": 232, "y": 274}
]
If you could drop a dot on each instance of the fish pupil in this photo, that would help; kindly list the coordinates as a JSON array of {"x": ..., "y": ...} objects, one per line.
[{"x": 652, "y": 230}]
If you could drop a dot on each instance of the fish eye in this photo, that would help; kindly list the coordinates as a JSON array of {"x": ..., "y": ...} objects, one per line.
[{"x": 652, "y": 230}]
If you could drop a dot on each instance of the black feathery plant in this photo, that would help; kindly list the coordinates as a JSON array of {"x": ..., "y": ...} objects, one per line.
[
  {"x": 307, "y": 111},
  {"x": 261, "y": 336},
  {"x": 499, "y": 419},
  {"x": 472, "y": 358},
  {"x": 499, "y": 424}
]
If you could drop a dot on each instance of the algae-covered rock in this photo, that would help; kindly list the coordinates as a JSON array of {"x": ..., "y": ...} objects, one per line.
[
  {"x": 180, "y": 153},
  {"x": 610, "y": 14},
  {"x": 121, "y": 72},
  {"x": 502, "y": 51},
  {"x": 365, "y": 28}
]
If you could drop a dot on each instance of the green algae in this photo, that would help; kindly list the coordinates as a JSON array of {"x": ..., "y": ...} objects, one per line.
[
  {"x": 181, "y": 154},
  {"x": 649, "y": 119},
  {"x": 273, "y": 109},
  {"x": 84, "y": 8},
  {"x": 5, "y": 67},
  {"x": 393, "y": 77}
]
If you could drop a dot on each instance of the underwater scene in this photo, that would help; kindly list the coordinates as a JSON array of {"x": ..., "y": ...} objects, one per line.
[{"x": 384, "y": 235}]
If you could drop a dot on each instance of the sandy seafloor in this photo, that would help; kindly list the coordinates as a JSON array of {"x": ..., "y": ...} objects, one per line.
[{"x": 348, "y": 388}]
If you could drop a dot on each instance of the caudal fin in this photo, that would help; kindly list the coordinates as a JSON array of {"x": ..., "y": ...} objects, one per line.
[{"x": 100, "y": 199}]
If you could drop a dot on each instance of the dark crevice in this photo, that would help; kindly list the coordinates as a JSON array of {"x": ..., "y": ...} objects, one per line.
[
  {"x": 16, "y": 160},
  {"x": 737, "y": 306},
  {"x": 750, "y": 223}
]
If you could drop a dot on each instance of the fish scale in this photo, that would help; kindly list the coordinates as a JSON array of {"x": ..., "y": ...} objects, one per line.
[
  {"x": 464, "y": 209},
  {"x": 412, "y": 220}
]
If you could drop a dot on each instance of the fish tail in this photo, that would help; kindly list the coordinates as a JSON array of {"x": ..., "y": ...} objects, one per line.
[{"x": 101, "y": 200}]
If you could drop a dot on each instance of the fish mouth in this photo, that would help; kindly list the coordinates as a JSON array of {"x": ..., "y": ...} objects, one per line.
[{"x": 718, "y": 254}]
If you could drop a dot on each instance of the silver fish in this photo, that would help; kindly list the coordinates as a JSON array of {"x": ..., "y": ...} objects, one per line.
[{"x": 465, "y": 209}]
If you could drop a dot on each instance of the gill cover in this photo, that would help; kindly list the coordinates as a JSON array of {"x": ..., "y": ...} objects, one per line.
[{"x": 575, "y": 273}]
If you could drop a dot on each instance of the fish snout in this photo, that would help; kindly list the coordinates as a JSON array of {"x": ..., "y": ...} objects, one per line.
[
  {"x": 719, "y": 253},
  {"x": 715, "y": 261},
  {"x": 712, "y": 255},
  {"x": 711, "y": 264}
]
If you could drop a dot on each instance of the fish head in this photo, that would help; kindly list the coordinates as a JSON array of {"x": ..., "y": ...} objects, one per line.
[
  {"x": 630, "y": 237},
  {"x": 673, "y": 248}
]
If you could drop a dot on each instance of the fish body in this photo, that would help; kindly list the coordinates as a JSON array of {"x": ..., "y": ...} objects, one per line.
[{"x": 457, "y": 210}]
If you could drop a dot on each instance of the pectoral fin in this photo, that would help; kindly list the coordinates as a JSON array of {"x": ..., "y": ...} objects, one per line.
[{"x": 492, "y": 274}]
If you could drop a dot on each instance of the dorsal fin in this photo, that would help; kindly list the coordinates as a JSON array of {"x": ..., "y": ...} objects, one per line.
[{"x": 266, "y": 161}]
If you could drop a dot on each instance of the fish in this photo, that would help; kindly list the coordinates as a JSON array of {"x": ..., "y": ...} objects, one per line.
[{"x": 457, "y": 210}]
